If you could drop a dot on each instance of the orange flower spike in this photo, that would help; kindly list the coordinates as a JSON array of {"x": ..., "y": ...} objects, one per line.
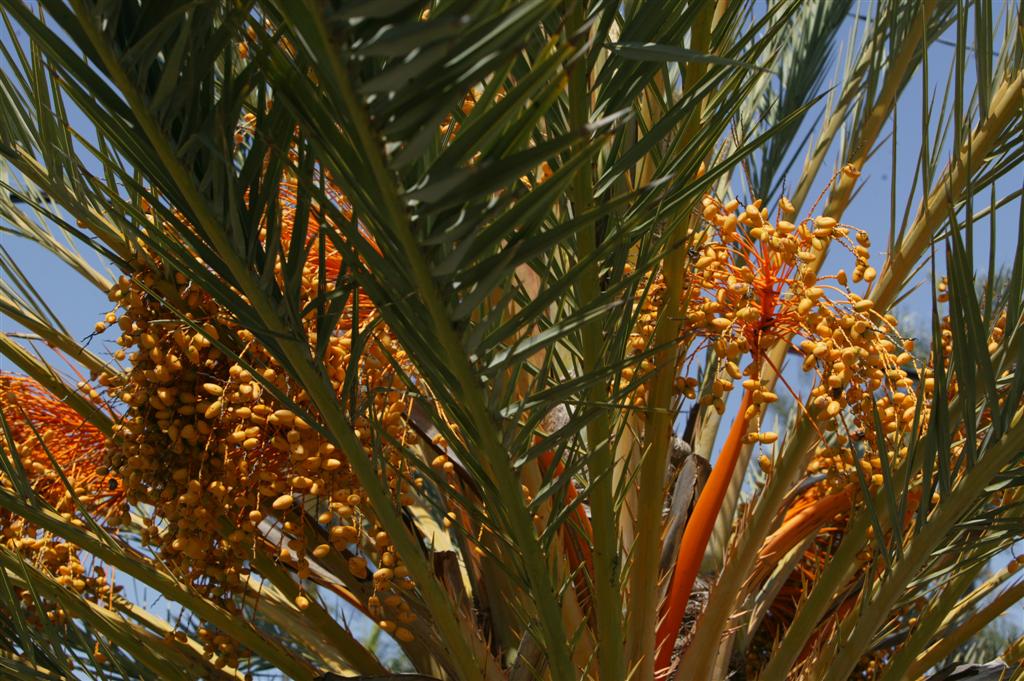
[
  {"x": 799, "y": 525},
  {"x": 696, "y": 536},
  {"x": 35, "y": 418},
  {"x": 288, "y": 196}
]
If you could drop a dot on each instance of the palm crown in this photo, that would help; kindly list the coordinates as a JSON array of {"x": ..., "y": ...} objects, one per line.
[{"x": 411, "y": 297}]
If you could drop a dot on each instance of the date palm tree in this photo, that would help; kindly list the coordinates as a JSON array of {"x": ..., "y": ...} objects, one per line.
[{"x": 424, "y": 320}]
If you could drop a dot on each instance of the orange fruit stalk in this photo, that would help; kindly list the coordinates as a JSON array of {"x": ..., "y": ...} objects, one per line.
[{"x": 696, "y": 536}]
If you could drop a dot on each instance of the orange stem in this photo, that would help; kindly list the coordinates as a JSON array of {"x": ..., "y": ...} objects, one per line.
[
  {"x": 577, "y": 551},
  {"x": 696, "y": 536}
]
